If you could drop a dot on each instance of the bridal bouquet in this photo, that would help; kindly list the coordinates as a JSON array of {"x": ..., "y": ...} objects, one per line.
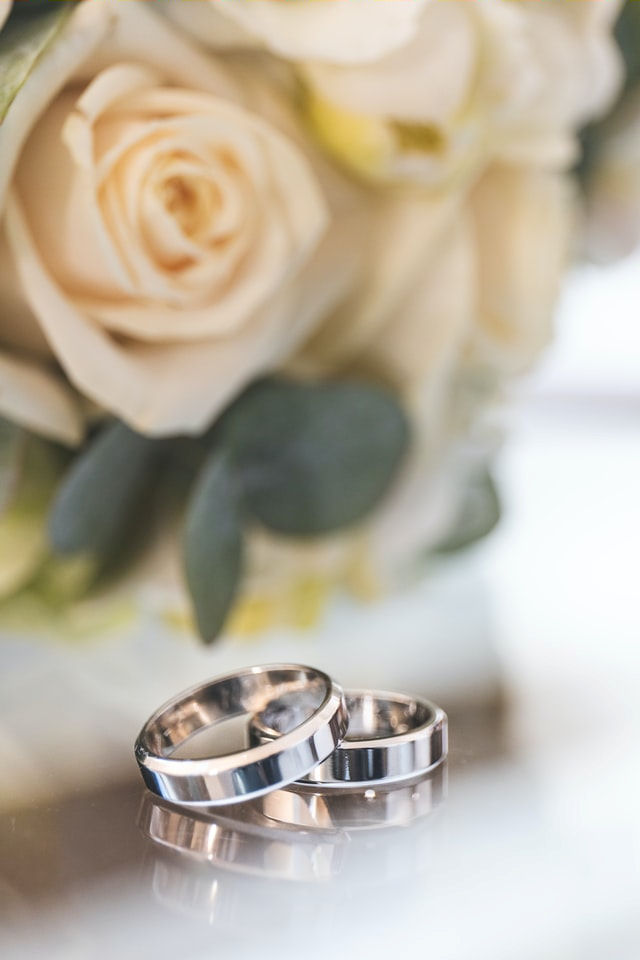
[{"x": 266, "y": 266}]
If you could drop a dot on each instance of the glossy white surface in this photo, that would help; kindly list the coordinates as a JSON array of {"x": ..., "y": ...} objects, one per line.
[{"x": 536, "y": 851}]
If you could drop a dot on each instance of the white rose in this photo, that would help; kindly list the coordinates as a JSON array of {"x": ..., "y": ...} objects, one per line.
[{"x": 170, "y": 244}]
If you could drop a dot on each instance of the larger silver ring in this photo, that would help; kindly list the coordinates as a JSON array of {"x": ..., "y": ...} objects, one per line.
[
  {"x": 251, "y": 772},
  {"x": 391, "y": 738}
]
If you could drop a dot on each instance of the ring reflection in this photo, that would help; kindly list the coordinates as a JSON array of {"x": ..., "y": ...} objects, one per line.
[{"x": 297, "y": 834}]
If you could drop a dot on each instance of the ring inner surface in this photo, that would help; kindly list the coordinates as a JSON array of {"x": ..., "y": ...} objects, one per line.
[
  {"x": 376, "y": 718},
  {"x": 371, "y": 717},
  {"x": 211, "y": 711}
]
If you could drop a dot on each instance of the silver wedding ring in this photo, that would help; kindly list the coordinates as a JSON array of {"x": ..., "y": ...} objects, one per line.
[
  {"x": 223, "y": 777},
  {"x": 392, "y": 738},
  {"x": 273, "y": 726}
]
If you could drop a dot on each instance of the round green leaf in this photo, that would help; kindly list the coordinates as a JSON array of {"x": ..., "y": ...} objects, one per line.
[
  {"x": 12, "y": 444},
  {"x": 314, "y": 458},
  {"x": 628, "y": 36}
]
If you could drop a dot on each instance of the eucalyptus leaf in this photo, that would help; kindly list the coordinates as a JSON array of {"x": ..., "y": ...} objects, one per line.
[
  {"x": 479, "y": 514},
  {"x": 26, "y": 8},
  {"x": 314, "y": 458},
  {"x": 12, "y": 443},
  {"x": 96, "y": 507},
  {"x": 23, "y": 40},
  {"x": 628, "y": 36},
  {"x": 213, "y": 544}
]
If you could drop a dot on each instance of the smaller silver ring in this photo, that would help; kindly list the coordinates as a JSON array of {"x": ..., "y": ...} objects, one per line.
[
  {"x": 392, "y": 738},
  {"x": 224, "y": 777}
]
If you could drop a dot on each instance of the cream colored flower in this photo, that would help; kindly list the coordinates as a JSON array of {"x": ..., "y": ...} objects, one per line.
[{"x": 170, "y": 243}]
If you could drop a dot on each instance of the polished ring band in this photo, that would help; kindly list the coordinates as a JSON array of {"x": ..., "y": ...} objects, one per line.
[
  {"x": 232, "y": 777},
  {"x": 391, "y": 738}
]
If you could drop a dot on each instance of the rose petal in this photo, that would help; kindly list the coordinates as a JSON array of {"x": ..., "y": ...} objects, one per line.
[
  {"x": 521, "y": 260},
  {"x": 38, "y": 400},
  {"x": 140, "y": 35},
  {"x": 432, "y": 319},
  {"x": 426, "y": 81},
  {"x": 402, "y": 235},
  {"x": 207, "y": 23},
  {"x": 578, "y": 63},
  {"x": 19, "y": 328},
  {"x": 356, "y": 31},
  {"x": 5, "y": 10}
]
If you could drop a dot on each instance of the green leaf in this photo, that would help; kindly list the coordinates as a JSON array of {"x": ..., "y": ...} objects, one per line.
[
  {"x": 23, "y": 40},
  {"x": 314, "y": 458},
  {"x": 12, "y": 443},
  {"x": 97, "y": 505},
  {"x": 213, "y": 544},
  {"x": 628, "y": 36},
  {"x": 479, "y": 514},
  {"x": 22, "y": 8}
]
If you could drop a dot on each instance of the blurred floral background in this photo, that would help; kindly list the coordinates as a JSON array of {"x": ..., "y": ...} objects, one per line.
[
  {"x": 268, "y": 275},
  {"x": 319, "y": 343}
]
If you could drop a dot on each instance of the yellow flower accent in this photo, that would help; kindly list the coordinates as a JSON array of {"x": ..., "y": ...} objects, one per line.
[
  {"x": 251, "y": 615},
  {"x": 307, "y": 601},
  {"x": 388, "y": 150},
  {"x": 365, "y": 144},
  {"x": 300, "y": 601}
]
